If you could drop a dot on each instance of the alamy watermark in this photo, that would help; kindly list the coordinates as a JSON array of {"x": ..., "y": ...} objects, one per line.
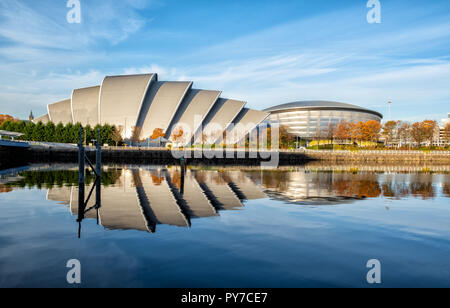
[
  {"x": 74, "y": 274},
  {"x": 235, "y": 141},
  {"x": 374, "y": 274},
  {"x": 374, "y": 14},
  {"x": 74, "y": 14}
]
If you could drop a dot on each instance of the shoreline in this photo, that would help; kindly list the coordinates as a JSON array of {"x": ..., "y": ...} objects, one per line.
[{"x": 243, "y": 158}]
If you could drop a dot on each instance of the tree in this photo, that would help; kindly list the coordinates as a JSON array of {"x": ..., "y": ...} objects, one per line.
[
  {"x": 404, "y": 132},
  {"x": 286, "y": 138},
  {"x": 88, "y": 134},
  {"x": 429, "y": 130},
  {"x": 135, "y": 135},
  {"x": 390, "y": 129},
  {"x": 75, "y": 133},
  {"x": 116, "y": 136},
  {"x": 67, "y": 133},
  {"x": 417, "y": 133},
  {"x": 178, "y": 135},
  {"x": 342, "y": 131},
  {"x": 59, "y": 133},
  {"x": 6, "y": 118},
  {"x": 356, "y": 131},
  {"x": 105, "y": 134},
  {"x": 38, "y": 132},
  {"x": 157, "y": 133},
  {"x": 49, "y": 135},
  {"x": 330, "y": 132},
  {"x": 370, "y": 131},
  {"x": 28, "y": 131},
  {"x": 423, "y": 131}
]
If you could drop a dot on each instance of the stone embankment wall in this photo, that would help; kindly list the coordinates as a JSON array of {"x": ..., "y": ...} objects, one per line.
[
  {"x": 161, "y": 156},
  {"x": 442, "y": 157}
]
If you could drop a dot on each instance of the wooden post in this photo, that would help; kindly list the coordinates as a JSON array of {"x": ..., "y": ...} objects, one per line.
[
  {"x": 81, "y": 177},
  {"x": 183, "y": 166},
  {"x": 98, "y": 162}
]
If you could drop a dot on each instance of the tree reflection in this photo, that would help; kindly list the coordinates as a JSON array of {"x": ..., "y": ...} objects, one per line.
[
  {"x": 5, "y": 189},
  {"x": 421, "y": 185},
  {"x": 357, "y": 185}
]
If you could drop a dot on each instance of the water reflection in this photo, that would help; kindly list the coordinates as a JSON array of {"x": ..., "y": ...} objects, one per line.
[{"x": 143, "y": 197}]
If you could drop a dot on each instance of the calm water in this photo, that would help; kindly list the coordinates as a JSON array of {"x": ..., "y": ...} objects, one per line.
[{"x": 293, "y": 227}]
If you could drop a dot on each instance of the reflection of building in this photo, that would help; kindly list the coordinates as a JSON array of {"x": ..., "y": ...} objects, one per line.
[
  {"x": 141, "y": 199},
  {"x": 140, "y": 104},
  {"x": 319, "y": 188},
  {"x": 307, "y": 119}
]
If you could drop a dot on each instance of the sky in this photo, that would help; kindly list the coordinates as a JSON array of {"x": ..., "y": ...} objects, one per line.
[{"x": 263, "y": 52}]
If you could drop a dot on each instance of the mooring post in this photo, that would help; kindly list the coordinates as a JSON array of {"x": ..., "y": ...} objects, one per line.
[
  {"x": 81, "y": 177},
  {"x": 183, "y": 166},
  {"x": 98, "y": 163}
]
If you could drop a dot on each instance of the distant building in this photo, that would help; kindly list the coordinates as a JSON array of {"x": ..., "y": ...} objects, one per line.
[
  {"x": 307, "y": 118},
  {"x": 443, "y": 134}
]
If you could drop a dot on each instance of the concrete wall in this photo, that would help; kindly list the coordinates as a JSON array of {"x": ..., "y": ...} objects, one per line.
[{"x": 85, "y": 106}]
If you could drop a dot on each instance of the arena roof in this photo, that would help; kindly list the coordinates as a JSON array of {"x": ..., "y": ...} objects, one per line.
[{"x": 324, "y": 105}]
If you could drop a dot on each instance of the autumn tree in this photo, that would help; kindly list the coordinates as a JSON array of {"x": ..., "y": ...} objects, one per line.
[
  {"x": 404, "y": 132},
  {"x": 157, "y": 133},
  {"x": 429, "y": 130},
  {"x": 390, "y": 130},
  {"x": 423, "y": 131},
  {"x": 417, "y": 133},
  {"x": 356, "y": 131},
  {"x": 178, "y": 135},
  {"x": 342, "y": 131},
  {"x": 370, "y": 131},
  {"x": 135, "y": 134},
  {"x": 6, "y": 118},
  {"x": 330, "y": 132}
]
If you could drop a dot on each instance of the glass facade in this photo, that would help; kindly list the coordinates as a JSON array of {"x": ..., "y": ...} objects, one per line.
[{"x": 309, "y": 124}]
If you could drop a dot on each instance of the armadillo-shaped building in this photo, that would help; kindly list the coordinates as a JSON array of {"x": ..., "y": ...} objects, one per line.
[{"x": 145, "y": 103}]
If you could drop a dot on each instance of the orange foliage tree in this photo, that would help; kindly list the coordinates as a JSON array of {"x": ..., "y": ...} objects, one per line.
[
  {"x": 157, "y": 133},
  {"x": 342, "y": 131},
  {"x": 5, "y": 118},
  {"x": 370, "y": 131},
  {"x": 423, "y": 131}
]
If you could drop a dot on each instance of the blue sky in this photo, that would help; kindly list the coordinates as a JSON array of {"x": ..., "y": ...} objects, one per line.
[{"x": 264, "y": 52}]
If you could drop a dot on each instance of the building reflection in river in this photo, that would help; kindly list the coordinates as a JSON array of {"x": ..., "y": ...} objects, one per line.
[{"x": 143, "y": 197}]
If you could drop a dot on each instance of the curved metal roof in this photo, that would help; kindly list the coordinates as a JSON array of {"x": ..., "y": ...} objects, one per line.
[{"x": 310, "y": 105}]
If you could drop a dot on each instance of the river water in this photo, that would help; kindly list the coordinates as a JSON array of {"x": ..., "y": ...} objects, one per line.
[{"x": 308, "y": 226}]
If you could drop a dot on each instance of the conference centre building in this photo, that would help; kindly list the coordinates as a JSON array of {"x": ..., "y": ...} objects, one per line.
[
  {"x": 144, "y": 104},
  {"x": 307, "y": 118}
]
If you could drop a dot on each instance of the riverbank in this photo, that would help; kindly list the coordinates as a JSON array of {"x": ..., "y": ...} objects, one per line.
[
  {"x": 401, "y": 157},
  {"x": 216, "y": 157}
]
